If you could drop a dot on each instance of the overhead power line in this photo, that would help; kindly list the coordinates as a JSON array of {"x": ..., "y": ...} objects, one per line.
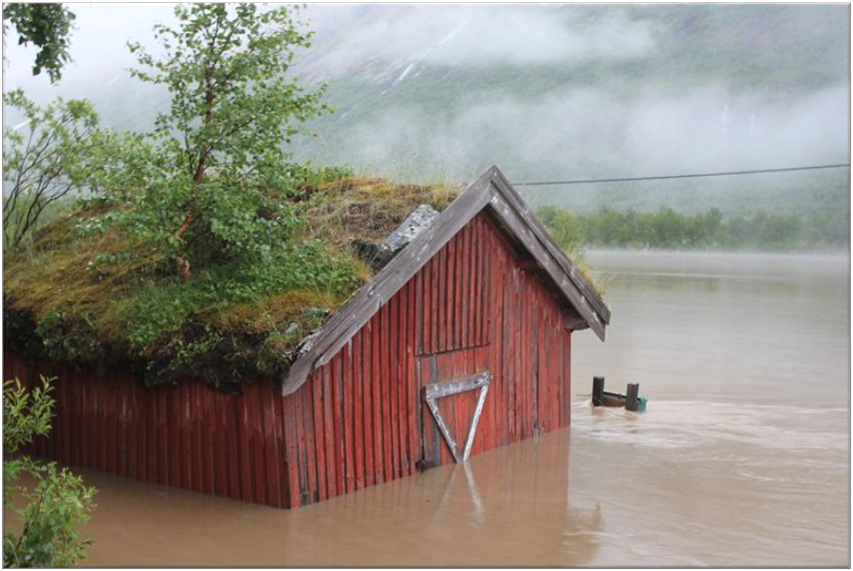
[{"x": 675, "y": 176}]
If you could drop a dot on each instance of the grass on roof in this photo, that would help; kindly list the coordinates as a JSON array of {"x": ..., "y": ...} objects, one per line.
[{"x": 82, "y": 297}]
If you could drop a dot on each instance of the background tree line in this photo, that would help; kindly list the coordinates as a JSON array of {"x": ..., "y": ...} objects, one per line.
[{"x": 669, "y": 229}]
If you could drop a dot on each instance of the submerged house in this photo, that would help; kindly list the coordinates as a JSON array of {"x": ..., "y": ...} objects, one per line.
[{"x": 460, "y": 343}]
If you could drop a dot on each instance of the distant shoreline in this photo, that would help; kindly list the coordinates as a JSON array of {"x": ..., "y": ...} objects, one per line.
[{"x": 593, "y": 252}]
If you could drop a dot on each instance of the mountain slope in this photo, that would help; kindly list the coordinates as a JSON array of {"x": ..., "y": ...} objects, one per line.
[{"x": 570, "y": 91}]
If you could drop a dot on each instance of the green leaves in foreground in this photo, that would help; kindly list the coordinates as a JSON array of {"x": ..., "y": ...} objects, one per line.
[{"x": 58, "y": 502}]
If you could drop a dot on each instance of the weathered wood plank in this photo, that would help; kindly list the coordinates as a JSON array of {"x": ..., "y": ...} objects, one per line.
[
  {"x": 400, "y": 378},
  {"x": 567, "y": 380},
  {"x": 132, "y": 431},
  {"x": 393, "y": 346},
  {"x": 450, "y": 337},
  {"x": 386, "y": 412},
  {"x": 338, "y": 423},
  {"x": 435, "y": 268},
  {"x": 358, "y": 410},
  {"x": 202, "y": 416},
  {"x": 162, "y": 440},
  {"x": 220, "y": 457},
  {"x": 376, "y": 387},
  {"x": 271, "y": 442},
  {"x": 347, "y": 397},
  {"x": 329, "y": 429},
  {"x": 307, "y": 455},
  {"x": 445, "y": 389},
  {"x": 369, "y": 430},
  {"x": 465, "y": 289},
  {"x": 316, "y": 435},
  {"x": 256, "y": 443},
  {"x": 290, "y": 417}
]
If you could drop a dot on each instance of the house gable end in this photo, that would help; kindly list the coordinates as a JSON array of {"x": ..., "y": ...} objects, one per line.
[{"x": 490, "y": 191}]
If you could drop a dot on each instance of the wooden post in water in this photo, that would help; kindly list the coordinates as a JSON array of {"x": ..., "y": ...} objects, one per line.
[
  {"x": 597, "y": 390},
  {"x": 632, "y": 400}
]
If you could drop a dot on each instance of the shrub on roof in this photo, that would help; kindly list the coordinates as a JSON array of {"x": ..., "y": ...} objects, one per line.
[{"x": 108, "y": 296}]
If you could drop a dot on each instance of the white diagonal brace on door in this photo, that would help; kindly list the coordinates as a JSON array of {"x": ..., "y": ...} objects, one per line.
[{"x": 435, "y": 391}]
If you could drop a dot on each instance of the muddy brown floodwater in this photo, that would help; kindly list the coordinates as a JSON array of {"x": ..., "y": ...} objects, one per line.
[{"x": 742, "y": 458}]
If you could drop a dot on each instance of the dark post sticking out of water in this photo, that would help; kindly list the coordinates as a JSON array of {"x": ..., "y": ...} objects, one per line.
[
  {"x": 597, "y": 390},
  {"x": 632, "y": 401}
]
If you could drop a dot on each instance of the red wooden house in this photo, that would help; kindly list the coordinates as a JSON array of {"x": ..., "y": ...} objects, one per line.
[{"x": 460, "y": 344}]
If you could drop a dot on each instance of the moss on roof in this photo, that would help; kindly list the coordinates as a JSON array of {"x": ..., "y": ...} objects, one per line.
[
  {"x": 101, "y": 297},
  {"x": 368, "y": 209}
]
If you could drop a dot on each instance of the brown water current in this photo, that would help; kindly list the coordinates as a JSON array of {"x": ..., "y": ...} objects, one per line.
[{"x": 741, "y": 460}]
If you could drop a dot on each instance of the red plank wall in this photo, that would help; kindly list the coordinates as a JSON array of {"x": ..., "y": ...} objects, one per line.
[
  {"x": 187, "y": 436},
  {"x": 359, "y": 420}
]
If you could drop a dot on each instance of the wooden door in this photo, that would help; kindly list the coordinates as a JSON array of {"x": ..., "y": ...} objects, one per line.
[{"x": 458, "y": 409}]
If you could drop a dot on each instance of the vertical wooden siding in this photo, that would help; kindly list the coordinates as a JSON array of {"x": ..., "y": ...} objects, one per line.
[
  {"x": 188, "y": 436},
  {"x": 359, "y": 420}
]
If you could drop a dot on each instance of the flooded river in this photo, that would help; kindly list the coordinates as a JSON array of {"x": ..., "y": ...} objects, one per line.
[{"x": 742, "y": 458}]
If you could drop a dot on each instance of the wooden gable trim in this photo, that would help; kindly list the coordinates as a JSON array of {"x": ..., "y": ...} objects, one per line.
[
  {"x": 507, "y": 190},
  {"x": 491, "y": 190},
  {"x": 518, "y": 225}
]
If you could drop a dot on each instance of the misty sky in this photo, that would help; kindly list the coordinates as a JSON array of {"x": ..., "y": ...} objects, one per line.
[{"x": 627, "y": 103}]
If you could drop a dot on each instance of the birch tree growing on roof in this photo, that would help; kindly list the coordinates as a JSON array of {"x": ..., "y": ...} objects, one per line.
[{"x": 233, "y": 110}]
